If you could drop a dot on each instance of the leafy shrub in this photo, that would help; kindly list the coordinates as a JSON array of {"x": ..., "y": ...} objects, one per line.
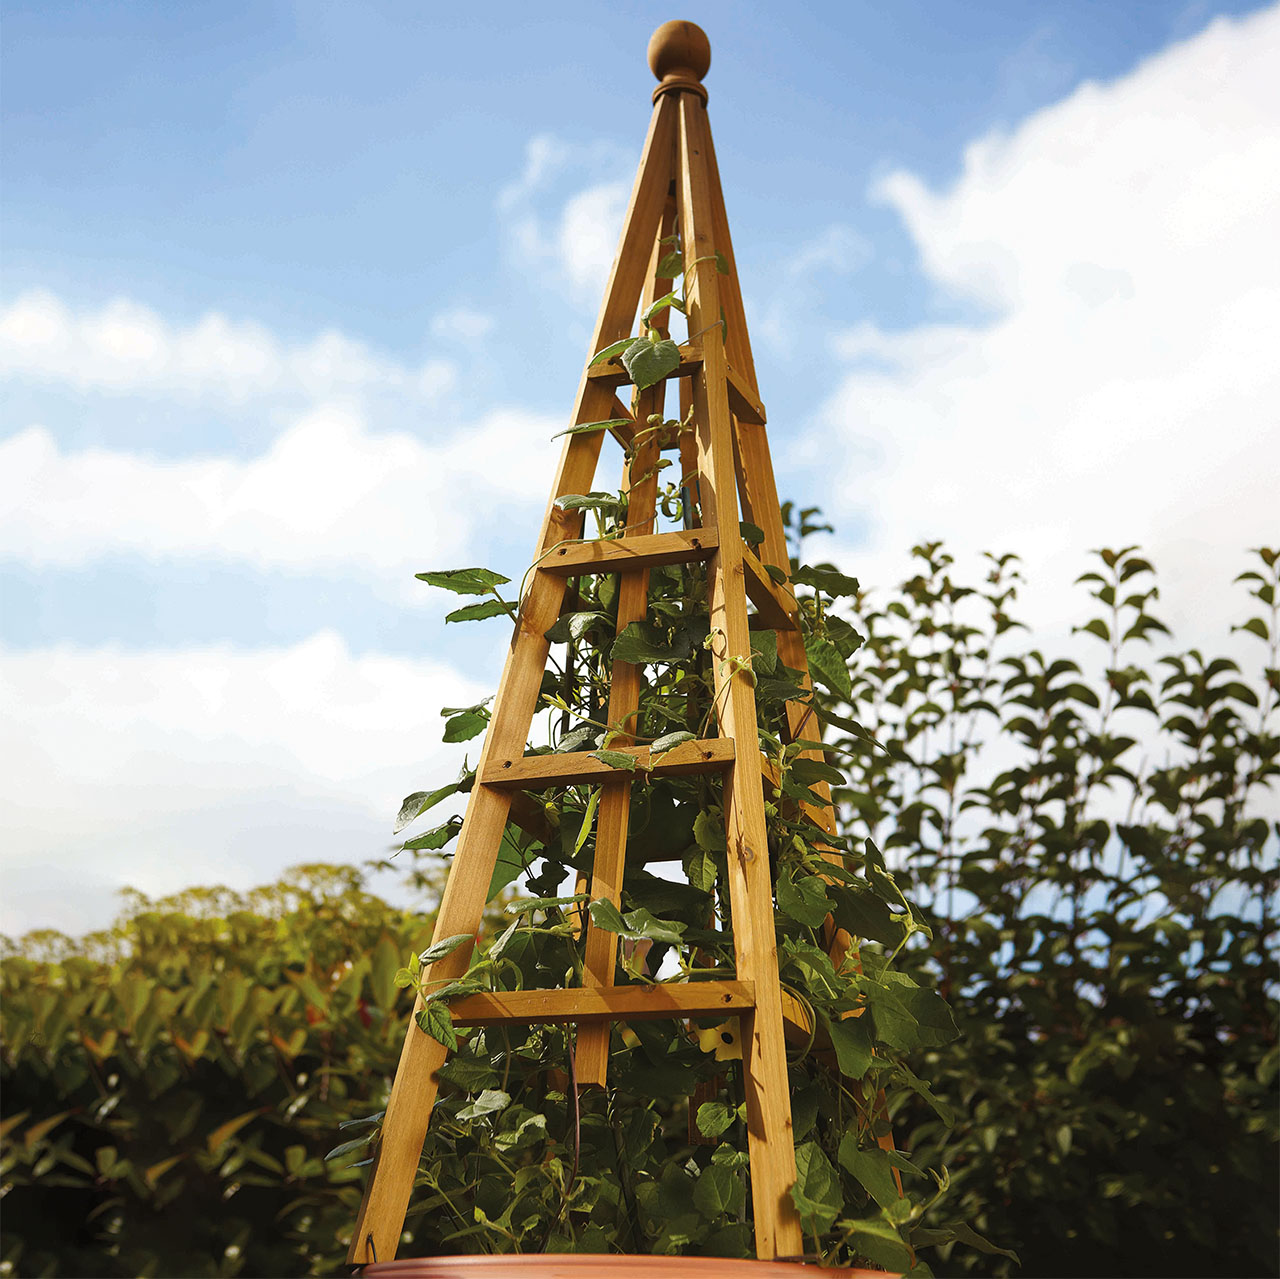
[
  {"x": 1091, "y": 850},
  {"x": 171, "y": 1086}
]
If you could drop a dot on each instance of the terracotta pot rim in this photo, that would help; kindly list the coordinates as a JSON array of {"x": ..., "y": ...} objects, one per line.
[{"x": 622, "y": 1264}]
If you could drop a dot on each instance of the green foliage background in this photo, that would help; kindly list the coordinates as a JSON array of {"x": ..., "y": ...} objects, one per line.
[{"x": 1090, "y": 846}]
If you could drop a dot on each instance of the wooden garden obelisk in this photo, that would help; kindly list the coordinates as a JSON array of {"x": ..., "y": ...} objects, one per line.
[{"x": 729, "y": 467}]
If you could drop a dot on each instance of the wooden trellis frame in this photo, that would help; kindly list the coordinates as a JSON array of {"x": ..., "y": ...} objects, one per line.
[{"x": 677, "y": 184}]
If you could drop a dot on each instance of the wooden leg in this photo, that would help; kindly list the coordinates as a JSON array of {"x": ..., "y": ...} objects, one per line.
[{"x": 404, "y": 1127}]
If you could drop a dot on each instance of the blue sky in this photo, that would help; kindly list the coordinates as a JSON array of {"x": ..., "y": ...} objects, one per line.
[{"x": 294, "y": 297}]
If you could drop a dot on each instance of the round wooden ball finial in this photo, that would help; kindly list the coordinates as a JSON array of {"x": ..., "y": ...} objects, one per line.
[{"x": 679, "y": 55}]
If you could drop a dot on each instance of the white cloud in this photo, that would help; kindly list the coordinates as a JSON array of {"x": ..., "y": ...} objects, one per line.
[
  {"x": 166, "y": 768},
  {"x": 587, "y": 235},
  {"x": 1128, "y": 387},
  {"x": 572, "y": 233},
  {"x": 327, "y": 495},
  {"x": 544, "y": 156},
  {"x": 127, "y": 348},
  {"x": 785, "y": 316},
  {"x": 462, "y": 323}
]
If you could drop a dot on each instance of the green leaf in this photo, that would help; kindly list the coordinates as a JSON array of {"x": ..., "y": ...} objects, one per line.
[
  {"x": 824, "y": 578},
  {"x": 671, "y": 265},
  {"x": 826, "y": 665},
  {"x": 434, "y": 1020},
  {"x": 445, "y": 946},
  {"x": 935, "y": 1024},
  {"x": 816, "y": 1192},
  {"x": 872, "y": 1170},
  {"x": 700, "y": 867},
  {"x": 661, "y": 304},
  {"x": 851, "y": 1038},
  {"x": 963, "y": 1233},
  {"x": 608, "y": 503},
  {"x": 1062, "y": 1139},
  {"x": 515, "y": 856},
  {"x": 620, "y": 760},
  {"x": 895, "y": 1026},
  {"x": 413, "y": 806},
  {"x": 708, "y": 831},
  {"x": 714, "y": 1117},
  {"x": 649, "y": 362},
  {"x": 778, "y": 575},
  {"x": 642, "y": 925},
  {"x": 642, "y": 642},
  {"x": 464, "y": 581},
  {"x": 468, "y": 1073},
  {"x": 437, "y": 837},
  {"x": 878, "y": 1241},
  {"x": 607, "y": 353},
  {"x": 216, "y": 1139},
  {"x": 752, "y": 534},
  {"x": 636, "y": 925},
  {"x": 804, "y": 900},
  {"x": 489, "y": 1102},
  {"x": 718, "y": 1191},
  {"x": 764, "y": 647},
  {"x": 348, "y": 1147},
  {"x": 546, "y": 903},
  {"x": 574, "y": 626},
  {"x": 808, "y": 772},
  {"x": 462, "y": 728},
  {"x": 604, "y": 914},
  {"x": 586, "y": 428},
  {"x": 669, "y": 741},
  {"x": 865, "y": 915},
  {"x": 944, "y": 1111},
  {"x": 477, "y": 612},
  {"x": 363, "y": 1121},
  {"x": 588, "y": 816}
]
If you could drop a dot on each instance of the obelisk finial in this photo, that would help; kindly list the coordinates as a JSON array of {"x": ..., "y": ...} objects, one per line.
[{"x": 679, "y": 55}]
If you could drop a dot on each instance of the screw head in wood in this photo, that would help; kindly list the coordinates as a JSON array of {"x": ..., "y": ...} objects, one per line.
[{"x": 679, "y": 55}]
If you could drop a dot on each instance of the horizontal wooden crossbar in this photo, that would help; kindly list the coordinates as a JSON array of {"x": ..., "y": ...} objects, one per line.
[
  {"x": 743, "y": 401},
  {"x": 536, "y": 772},
  {"x": 631, "y": 1003},
  {"x": 606, "y": 1003},
  {"x": 776, "y": 604},
  {"x": 613, "y": 555}
]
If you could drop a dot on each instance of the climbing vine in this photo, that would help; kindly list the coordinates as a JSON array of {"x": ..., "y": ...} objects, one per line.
[{"x": 517, "y": 1157}]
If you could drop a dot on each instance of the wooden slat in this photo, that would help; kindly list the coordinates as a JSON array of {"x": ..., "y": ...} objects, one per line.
[
  {"x": 618, "y": 554},
  {"x": 797, "y": 1021},
  {"x": 759, "y": 492},
  {"x": 530, "y": 816},
  {"x": 386, "y": 1199},
  {"x": 769, "y": 1134},
  {"x": 776, "y": 604},
  {"x": 743, "y": 400},
  {"x": 605, "y": 1004},
  {"x": 623, "y": 434},
  {"x": 573, "y": 768},
  {"x": 737, "y": 341}
]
